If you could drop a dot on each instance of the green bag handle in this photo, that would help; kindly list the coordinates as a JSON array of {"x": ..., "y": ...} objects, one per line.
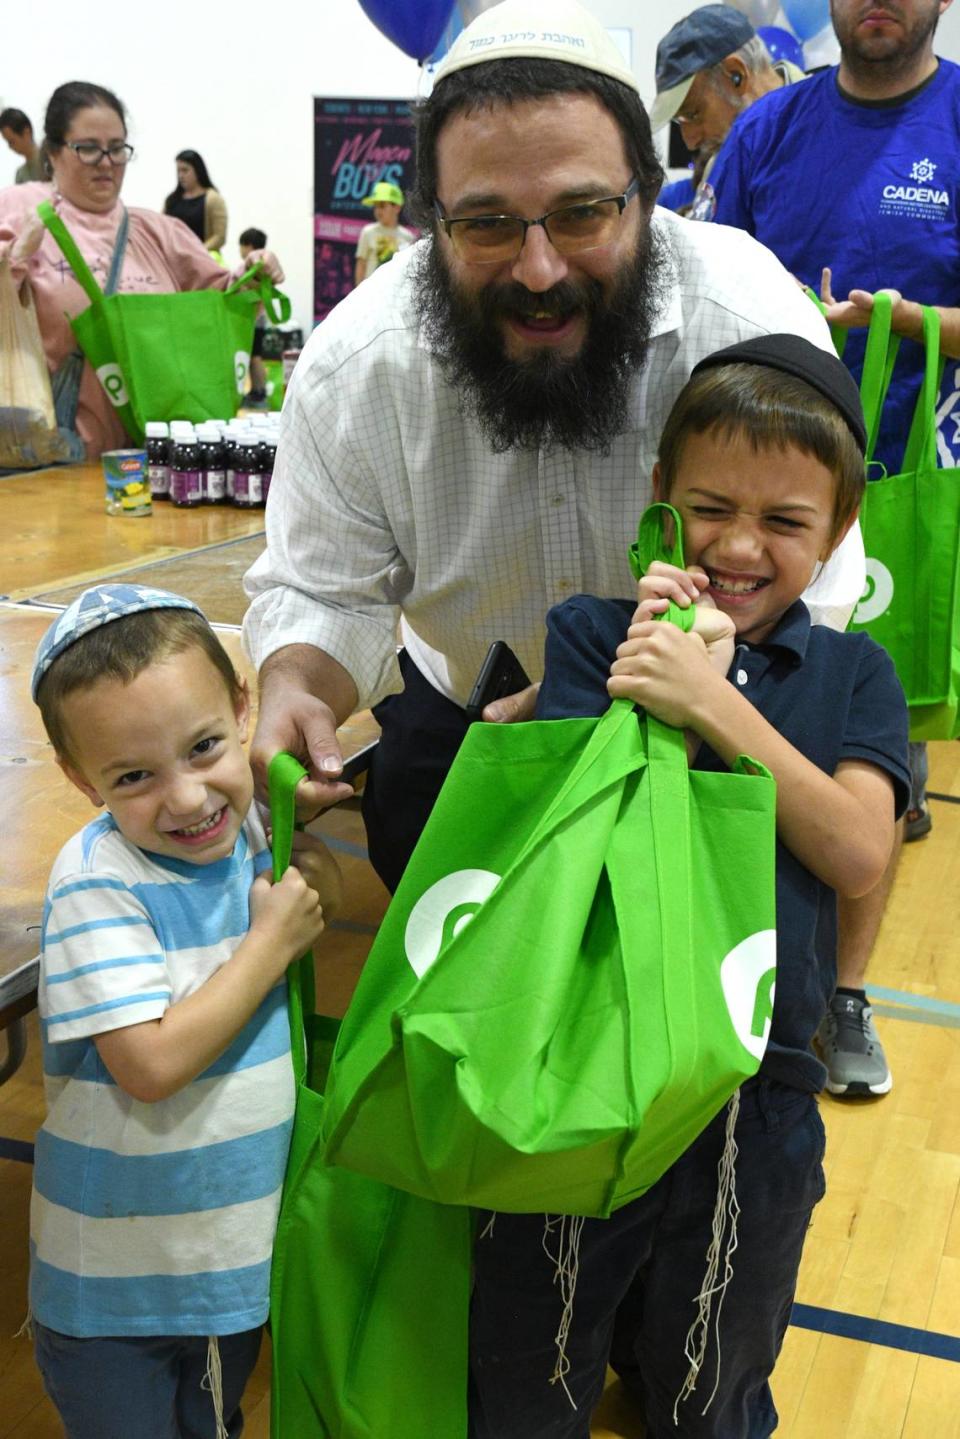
[
  {"x": 274, "y": 301},
  {"x": 71, "y": 253},
  {"x": 879, "y": 359},
  {"x": 283, "y": 776},
  {"x": 276, "y": 304},
  {"x": 921, "y": 451},
  {"x": 651, "y": 544}
]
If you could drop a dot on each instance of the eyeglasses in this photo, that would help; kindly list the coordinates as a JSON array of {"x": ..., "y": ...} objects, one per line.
[
  {"x": 494, "y": 239},
  {"x": 88, "y": 152}
]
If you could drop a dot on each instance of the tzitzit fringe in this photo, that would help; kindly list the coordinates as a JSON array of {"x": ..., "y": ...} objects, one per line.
[
  {"x": 213, "y": 1381},
  {"x": 487, "y": 1231},
  {"x": 725, "y": 1215},
  {"x": 566, "y": 1229}
]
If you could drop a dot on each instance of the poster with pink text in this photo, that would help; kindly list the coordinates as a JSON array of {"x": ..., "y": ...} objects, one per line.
[{"x": 357, "y": 143}]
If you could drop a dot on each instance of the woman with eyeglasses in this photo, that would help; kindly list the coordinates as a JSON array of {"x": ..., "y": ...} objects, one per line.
[
  {"x": 197, "y": 202},
  {"x": 128, "y": 250}
]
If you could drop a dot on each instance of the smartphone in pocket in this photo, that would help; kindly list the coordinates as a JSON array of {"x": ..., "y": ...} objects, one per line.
[{"x": 500, "y": 674}]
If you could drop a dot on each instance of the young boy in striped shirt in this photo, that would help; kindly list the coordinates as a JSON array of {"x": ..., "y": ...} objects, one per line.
[{"x": 166, "y": 1043}]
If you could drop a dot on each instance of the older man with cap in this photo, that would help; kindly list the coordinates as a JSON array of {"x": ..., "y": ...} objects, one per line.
[{"x": 711, "y": 66}]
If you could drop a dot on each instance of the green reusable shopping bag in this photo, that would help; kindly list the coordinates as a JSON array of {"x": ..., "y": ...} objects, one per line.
[
  {"x": 182, "y": 356},
  {"x": 576, "y": 971},
  {"x": 911, "y": 534},
  {"x": 370, "y": 1287}
]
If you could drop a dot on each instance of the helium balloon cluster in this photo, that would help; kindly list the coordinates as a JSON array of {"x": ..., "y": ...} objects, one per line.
[{"x": 794, "y": 30}]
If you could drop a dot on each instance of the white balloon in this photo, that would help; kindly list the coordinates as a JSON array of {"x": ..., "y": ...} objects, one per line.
[
  {"x": 821, "y": 49},
  {"x": 758, "y": 12}
]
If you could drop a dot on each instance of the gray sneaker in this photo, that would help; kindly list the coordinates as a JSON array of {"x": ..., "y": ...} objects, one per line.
[{"x": 851, "y": 1049}]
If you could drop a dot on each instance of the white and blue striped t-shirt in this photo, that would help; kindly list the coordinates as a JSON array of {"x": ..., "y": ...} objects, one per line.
[{"x": 153, "y": 1218}]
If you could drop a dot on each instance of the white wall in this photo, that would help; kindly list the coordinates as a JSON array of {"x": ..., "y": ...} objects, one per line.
[{"x": 236, "y": 82}]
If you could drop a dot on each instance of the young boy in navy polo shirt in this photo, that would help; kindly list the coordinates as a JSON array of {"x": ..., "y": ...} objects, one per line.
[{"x": 762, "y": 456}]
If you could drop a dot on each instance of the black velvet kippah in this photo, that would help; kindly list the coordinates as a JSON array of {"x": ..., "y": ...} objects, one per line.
[{"x": 796, "y": 356}]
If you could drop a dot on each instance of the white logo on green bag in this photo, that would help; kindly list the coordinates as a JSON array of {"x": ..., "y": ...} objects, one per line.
[
  {"x": 111, "y": 378},
  {"x": 241, "y": 366},
  {"x": 442, "y": 911},
  {"x": 748, "y": 976},
  {"x": 877, "y": 593}
]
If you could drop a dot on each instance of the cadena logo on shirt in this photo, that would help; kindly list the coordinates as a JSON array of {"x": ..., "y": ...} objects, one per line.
[
  {"x": 877, "y": 593},
  {"x": 920, "y": 198},
  {"x": 111, "y": 378},
  {"x": 748, "y": 976},
  {"x": 442, "y": 911}
]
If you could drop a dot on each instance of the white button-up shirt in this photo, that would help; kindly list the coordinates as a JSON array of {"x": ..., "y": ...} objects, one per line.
[{"x": 389, "y": 503}]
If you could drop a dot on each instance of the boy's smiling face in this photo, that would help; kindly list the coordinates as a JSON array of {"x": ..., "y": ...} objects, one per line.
[
  {"x": 758, "y": 522},
  {"x": 164, "y": 754}
]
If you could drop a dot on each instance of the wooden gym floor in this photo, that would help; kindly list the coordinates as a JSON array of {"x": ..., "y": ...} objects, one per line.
[{"x": 873, "y": 1351}]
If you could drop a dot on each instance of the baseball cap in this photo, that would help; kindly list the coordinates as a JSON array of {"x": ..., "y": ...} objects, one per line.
[
  {"x": 537, "y": 29},
  {"x": 701, "y": 39},
  {"x": 383, "y": 193},
  {"x": 796, "y": 356},
  {"x": 95, "y": 607}
]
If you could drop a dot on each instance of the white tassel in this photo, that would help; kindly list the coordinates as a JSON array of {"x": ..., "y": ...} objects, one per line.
[
  {"x": 568, "y": 1229},
  {"x": 213, "y": 1382},
  {"x": 725, "y": 1215},
  {"x": 26, "y": 1328}
]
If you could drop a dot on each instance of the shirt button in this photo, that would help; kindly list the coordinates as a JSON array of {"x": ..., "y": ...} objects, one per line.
[{"x": 742, "y": 677}]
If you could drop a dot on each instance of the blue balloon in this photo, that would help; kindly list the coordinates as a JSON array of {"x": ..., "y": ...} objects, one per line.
[
  {"x": 806, "y": 18},
  {"x": 451, "y": 30},
  {"x": 414, "y": 25},
  {"x": 781, "y": 44}
]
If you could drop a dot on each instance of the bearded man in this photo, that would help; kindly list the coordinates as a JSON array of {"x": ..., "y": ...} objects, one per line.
[{"x": 469, "y": 437}]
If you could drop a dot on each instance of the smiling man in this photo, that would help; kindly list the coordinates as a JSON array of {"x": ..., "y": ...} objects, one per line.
[{"x": 470, "y": 436}]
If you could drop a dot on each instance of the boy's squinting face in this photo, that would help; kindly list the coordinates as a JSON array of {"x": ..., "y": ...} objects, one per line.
[
  {"x": 758, "y": 522},
  {"x": 164, "y": 754}
]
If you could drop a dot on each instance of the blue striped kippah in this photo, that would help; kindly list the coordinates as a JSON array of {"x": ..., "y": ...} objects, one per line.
[{"x": 95, "y": 607}]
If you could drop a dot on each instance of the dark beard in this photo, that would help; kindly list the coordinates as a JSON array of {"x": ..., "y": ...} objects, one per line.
[
  {"x": 545, "y": 401},
  {"x": 867, "y": 61}
]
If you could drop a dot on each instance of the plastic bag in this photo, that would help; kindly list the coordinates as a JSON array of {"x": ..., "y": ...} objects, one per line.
[{"x": 28, "y": 428}]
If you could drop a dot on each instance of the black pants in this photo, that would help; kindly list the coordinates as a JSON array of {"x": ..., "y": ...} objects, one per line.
[
  {"x": 421, "y": 733},
  {"x": 639, "y": 1273}
]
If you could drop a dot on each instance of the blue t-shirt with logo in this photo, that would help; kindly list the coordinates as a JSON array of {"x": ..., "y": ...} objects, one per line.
[{"x": 870, "y": 190}]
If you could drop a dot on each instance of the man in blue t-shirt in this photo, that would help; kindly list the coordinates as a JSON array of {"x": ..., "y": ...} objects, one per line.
[{"x": 853, "y": 180}]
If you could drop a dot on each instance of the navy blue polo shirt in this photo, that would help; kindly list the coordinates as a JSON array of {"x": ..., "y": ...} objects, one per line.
[{"x": 834, "y": 697}]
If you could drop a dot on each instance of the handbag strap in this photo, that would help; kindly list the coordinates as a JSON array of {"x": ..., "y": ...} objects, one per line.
[
  {"x": 921, "y": 451},
  {"x": 119, "y": 250},
  {"x": 283, "y": 776}
]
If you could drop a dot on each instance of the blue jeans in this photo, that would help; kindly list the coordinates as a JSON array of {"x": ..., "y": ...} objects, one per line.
[
  {"x": 152, "y": 1388},
  {"x": 639, "y": 1273}
]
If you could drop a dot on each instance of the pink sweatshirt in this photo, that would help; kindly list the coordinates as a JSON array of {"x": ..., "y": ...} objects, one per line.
[{"x": 162, "y": 255}]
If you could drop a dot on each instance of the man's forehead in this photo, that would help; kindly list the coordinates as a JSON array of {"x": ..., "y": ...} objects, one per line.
[{"x": 570, "y": 136}]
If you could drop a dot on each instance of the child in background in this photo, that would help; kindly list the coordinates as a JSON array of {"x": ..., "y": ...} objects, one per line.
[
  {"x": 380, "y": 241},
  {"x": 166, "y": 1042},
  {"x": 762, "y": 456},
  {"x": 256, "y": 396}
]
